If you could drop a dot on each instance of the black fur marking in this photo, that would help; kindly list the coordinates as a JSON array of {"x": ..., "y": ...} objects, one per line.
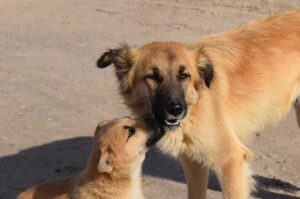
[
  {"x": 206, "y": 69},
  {"x": 207, "y": 74}
]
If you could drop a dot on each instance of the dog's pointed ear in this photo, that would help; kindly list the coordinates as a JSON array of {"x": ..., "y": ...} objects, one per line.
[
  {"x": 122, "y": 59},
  {"x": 104, "y": 165},
  {"x": 205, "y": 68}
]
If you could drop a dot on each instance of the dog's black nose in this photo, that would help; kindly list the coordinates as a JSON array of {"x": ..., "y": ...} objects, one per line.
[{"x": 175, "y": 108}]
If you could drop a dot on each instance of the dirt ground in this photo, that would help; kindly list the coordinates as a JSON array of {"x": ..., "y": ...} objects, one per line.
[{"x": 52, "y": 95}]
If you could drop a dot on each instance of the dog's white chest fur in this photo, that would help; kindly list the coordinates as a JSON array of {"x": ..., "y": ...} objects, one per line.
[{"x": 135, "y": 191}]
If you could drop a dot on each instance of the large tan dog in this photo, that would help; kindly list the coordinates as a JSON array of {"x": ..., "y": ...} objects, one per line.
[
  {"x": 213, "y": 94},
  {"x": 113, "y": 170}
]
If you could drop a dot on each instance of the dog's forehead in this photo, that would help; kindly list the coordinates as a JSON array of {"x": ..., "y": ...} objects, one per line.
[
  {"x": 169, "y": 49},
  {"x": 113, "y": 129},
  {"x": 164, "y": 54},
  {"x": 115, "y": 132},
  {"x": 114, "y": 136},
  {"x": 121, "y": 126}
]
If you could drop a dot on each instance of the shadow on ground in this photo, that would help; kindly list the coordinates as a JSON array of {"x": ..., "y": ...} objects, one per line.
[{"x": 67, "y": 157}]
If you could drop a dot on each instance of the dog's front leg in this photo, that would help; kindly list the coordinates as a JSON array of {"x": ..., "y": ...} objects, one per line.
[
  {"x": 196, "y": 175},
  {"x": 234, "y": 174}
]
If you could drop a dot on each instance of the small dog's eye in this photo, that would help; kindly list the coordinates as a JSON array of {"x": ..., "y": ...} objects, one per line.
[{"x": 131, "y": 132}]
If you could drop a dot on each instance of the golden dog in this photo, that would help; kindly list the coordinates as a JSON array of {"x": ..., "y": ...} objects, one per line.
[
  {"x": 113, "y": 170},
  {"x": 213, "y": 94}
]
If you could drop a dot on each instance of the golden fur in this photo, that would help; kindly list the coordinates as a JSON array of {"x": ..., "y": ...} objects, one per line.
[
  {"x": 256, "y": 80},
  {"x": 113, "y": 170}
]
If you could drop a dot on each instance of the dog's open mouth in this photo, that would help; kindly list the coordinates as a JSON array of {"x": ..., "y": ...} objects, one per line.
[
  {"x": 155, "y": 137},
  {"x": 168, "y": 123},
  {"x": 172, "y": 124}
]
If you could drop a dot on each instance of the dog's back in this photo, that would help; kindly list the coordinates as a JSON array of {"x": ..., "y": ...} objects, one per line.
[
  {"x": 260, "y": 63},
  {"x": 57, "y": 189}
]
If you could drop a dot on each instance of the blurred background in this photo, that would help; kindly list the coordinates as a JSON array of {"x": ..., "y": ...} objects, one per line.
[{"x": 52, "y": 95}]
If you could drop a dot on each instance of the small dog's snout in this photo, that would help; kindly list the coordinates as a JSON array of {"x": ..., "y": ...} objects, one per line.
[{"x": 175, "y": 108}]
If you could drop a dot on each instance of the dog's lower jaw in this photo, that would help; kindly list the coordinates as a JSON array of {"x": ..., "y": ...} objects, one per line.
[{"x": 171, "y": 126}]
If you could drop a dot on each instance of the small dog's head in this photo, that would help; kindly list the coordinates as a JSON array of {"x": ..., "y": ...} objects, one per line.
[
  {"x": 164, "y": 77},
  {"x": 120, "y": 145}
]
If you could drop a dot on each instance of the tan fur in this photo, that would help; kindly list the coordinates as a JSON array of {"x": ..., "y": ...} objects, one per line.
[
  {"x": 124, "y": 156},
  {"x": 256, "y": 81}
]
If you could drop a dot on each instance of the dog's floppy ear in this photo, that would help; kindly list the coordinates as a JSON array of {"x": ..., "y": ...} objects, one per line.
[
  {"x": 205, "y": 68},
  {"x": 123, "y": 59},
  {"x": 104, "y": 165},
  {"x": 207, "y": 74},
  {"x": 111, "y": 56}
]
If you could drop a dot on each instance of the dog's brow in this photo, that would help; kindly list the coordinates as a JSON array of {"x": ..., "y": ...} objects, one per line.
[
  {"x": 155, "y": 71},
  {"x": 126, "y": 127},
  {"x": 181, "y": 69}
]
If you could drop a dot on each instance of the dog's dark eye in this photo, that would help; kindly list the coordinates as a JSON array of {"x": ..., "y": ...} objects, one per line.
[
  {"x": 183, "y": 76},
  {"x": 131, "y": 131},
  {"x": 182, "y": 73}
]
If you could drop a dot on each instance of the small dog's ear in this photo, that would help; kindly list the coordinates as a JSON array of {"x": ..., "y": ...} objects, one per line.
[
  {"x": 104, "y": 165},
  {"x": 205, "y": 68},
  {"x": 101, "y": 125},
  {"x": 123, "y": 59}
]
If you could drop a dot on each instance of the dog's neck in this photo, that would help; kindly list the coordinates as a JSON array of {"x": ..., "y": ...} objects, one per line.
[
  {"x": 91, "y": 173},
  {"x": 117, "y": 184}
]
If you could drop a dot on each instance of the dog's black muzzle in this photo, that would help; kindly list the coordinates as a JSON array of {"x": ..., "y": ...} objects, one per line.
[{"x": 168, "y": 106}]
